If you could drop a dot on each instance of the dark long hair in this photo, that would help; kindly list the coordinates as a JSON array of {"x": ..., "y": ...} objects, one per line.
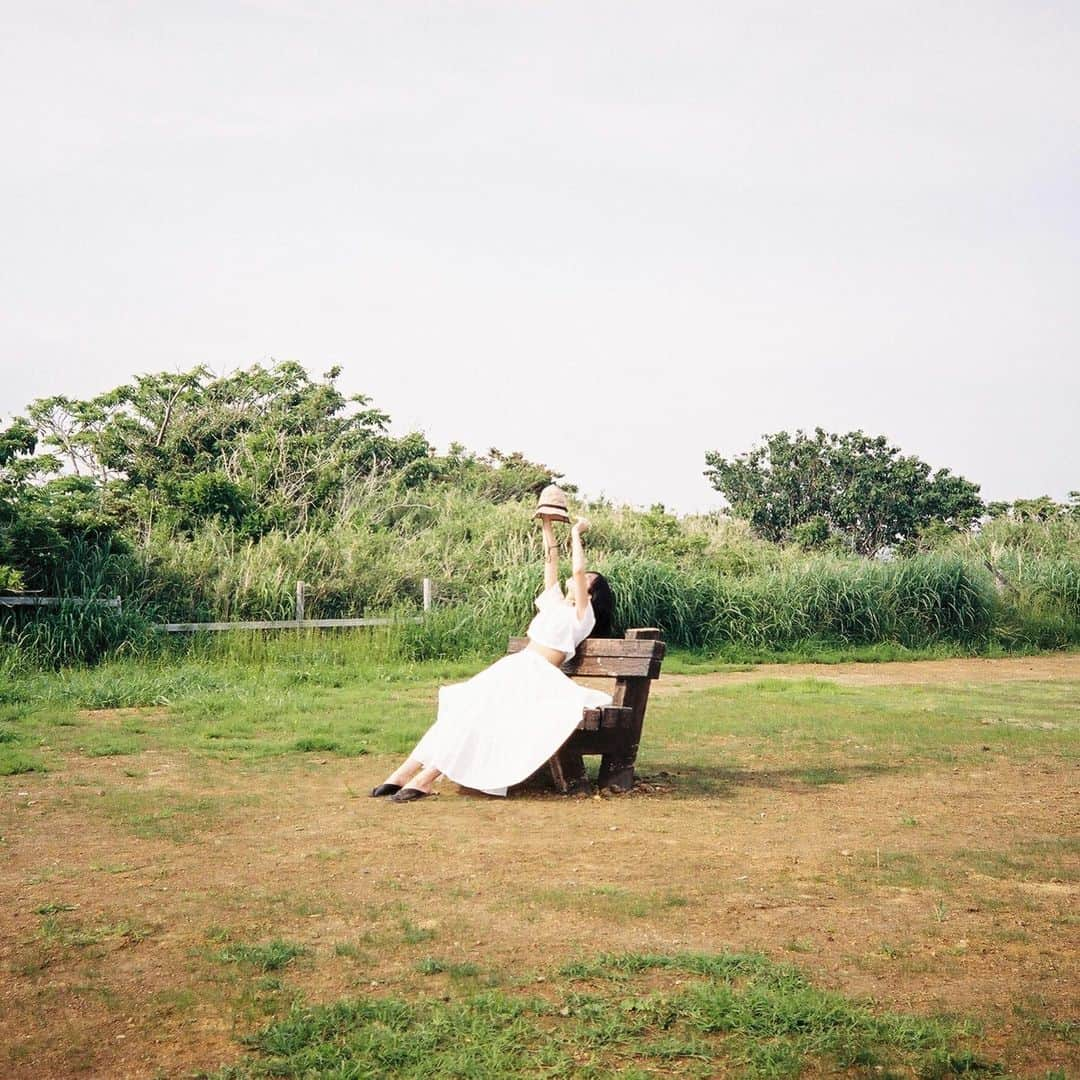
[{"x": 603, "y": 605}]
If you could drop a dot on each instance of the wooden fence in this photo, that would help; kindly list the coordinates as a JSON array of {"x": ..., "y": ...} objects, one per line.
[
  {"x": 298, "y": 622},
  {"x": 54, "y": 601}
]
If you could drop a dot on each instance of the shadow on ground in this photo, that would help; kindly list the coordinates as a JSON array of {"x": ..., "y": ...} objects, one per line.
[
  {"x": 694, "y": 780},
  {"x": 675, "y": 780}
]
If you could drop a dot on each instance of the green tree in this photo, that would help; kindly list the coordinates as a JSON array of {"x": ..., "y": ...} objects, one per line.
[
  {"x": 1040, "y": 509},
  {"x": 260, "y": 448},
  {"x": 499, "y": 476},
  {"x": 812, "y": 488},
  {"x": 46, "y": 518},
  {"x": 17, "y": 443}
]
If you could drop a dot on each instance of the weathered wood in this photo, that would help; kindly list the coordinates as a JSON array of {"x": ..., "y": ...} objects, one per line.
[
  {"x": 614, "y": 667},
  {"x": 279, "y": 624},
  {"x": 624, "y": 648},
  {"x": 568, "y": 764},
  {"x": 613, "y": 731},
  {"x": 617, "y": 767},
  {"x": 557, "y": 773},
  {"x": 55, "y": 601},
  {"x": 608, "y": 716}
]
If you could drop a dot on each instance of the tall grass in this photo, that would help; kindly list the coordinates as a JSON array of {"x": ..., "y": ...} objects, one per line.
[
  {"x": 80, "y": 630},
  {"x": 915, "y": 603},
  {"x": 1036, "y": 568},
  {"x": 705, "y": 581}
]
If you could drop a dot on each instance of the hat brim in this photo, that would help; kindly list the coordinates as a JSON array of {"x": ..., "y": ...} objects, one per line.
[{"x": 553, "y": 512}]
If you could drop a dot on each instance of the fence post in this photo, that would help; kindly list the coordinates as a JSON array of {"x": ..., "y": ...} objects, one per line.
[
  {"x": 427, "y": 594},
  {"x": 299, "y": 602}
]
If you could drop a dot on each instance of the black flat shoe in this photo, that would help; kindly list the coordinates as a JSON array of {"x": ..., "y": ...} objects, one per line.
[
  {"x": 411, "y": 794},
  {"x": 385, "y": 789}
]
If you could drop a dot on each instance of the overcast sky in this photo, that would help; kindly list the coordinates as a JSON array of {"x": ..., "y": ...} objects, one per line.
[{"x": 612, "y": 235}]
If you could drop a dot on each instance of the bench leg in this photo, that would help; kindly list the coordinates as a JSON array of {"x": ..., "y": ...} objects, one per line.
[
  {"x": 616, "y": 774},
  {"x": 617, "y": 767},
  {"x": 556, "y": 773},
  {"x": 568, "y": 772}
]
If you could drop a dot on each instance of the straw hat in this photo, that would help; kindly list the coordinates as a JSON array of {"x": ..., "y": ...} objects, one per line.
[{"x": 553, "y": 504}]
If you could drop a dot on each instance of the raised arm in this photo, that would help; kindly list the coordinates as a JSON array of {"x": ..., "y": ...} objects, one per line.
[
  {"x": 551, "y": 554},
  {"x": 577, "y": 555}
]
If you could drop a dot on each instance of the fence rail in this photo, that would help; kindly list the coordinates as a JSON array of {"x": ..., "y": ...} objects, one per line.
[
  {"x": 296, "y": 623},
  {"x": 278, "y": 624},
  {"x": 54, "y": 601}
]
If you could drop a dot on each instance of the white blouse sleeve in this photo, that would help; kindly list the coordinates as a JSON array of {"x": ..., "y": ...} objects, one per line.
[{"x": 549, "y": 597}]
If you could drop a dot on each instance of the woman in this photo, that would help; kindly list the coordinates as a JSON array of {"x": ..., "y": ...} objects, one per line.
[{"x": 499, "y": 727}]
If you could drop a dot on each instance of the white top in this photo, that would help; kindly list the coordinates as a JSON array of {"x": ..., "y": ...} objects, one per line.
[{"x": 556, "y": 624}]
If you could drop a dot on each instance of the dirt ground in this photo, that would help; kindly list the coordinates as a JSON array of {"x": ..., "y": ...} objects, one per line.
[
  {"x": 877, "y": 887},
  {"x": 902, "y": 673}
]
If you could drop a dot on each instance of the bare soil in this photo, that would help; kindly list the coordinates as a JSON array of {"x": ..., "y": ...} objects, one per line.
[
  {"x": 973, "y": 670},
  {"x": 885, "y": 886}
]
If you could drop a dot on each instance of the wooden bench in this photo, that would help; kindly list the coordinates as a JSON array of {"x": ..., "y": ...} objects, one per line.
[{"x": 614, "y": 731}]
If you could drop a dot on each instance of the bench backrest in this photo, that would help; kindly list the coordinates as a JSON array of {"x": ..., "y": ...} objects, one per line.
[
  {"x": 614, "y": 730},
  {"x": 631, "y": 661}
]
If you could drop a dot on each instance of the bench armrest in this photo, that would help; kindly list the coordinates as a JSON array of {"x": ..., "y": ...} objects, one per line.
[{"x": 608, "y": 716}]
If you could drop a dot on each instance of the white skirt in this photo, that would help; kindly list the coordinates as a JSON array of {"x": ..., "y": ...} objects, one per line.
[{"x": 500, "y": 726}]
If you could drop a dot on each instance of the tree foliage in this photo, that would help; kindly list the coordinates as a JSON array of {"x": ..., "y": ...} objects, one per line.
[
  {"x": 814, "y": 489},
  {"x": 43, "y": 516},
  {"x": 257, "y": 449},
  {"x": 1042, "y": 508},
  {"x": 17, "y": 442},
  {"x": 496, "y": 475}
]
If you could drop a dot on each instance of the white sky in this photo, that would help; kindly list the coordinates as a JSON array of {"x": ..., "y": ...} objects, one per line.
[{"x": 612, "y": 235}]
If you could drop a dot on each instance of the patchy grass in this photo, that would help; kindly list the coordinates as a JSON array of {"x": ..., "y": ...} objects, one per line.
[
  {"x": 74, "y": 933},
  {"x": 1055, "y": 859},
  {"x": 110, "y": 747},
  {"x": 746, "y": 658},
  {"x": 700, "y": 1014},
  {"x": 609, "y": 901},
  {"x": 350, "y": 950},
  {"x": 158, "y": 815},
  {"x": 822, "y": 774},
  {"x": 429, "y": 965},
  {"x": 332, "y": 698},
  {"x": 831, "y": 733},
  {"x": 14, "y": 762},
  {"x": 271, "y": 956},
  {"x": 411, "y": 934},
  {"x": 53, "y": 908},
  {"x": 862, "y": 831}
]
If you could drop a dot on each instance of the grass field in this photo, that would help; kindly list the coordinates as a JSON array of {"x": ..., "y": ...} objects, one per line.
[{"x": 853, "y": 869}]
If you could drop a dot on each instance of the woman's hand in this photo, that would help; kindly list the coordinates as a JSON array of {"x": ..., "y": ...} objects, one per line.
[{"x": 581, "y": 525}]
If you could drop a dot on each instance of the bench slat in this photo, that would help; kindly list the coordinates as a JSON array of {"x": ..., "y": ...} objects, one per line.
[
  {"x": 617, "y": 647},
  {"x": 609, "y": 667},
  {"x": 613, "y": 667}
]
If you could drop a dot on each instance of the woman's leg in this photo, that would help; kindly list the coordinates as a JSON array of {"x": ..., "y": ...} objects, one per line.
[
  {"x": 404, "y": 772},
  {"x": 424, "y": 779}
]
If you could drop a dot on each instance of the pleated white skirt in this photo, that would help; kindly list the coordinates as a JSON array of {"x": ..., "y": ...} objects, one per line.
[{"x": 500, "y": 726}]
